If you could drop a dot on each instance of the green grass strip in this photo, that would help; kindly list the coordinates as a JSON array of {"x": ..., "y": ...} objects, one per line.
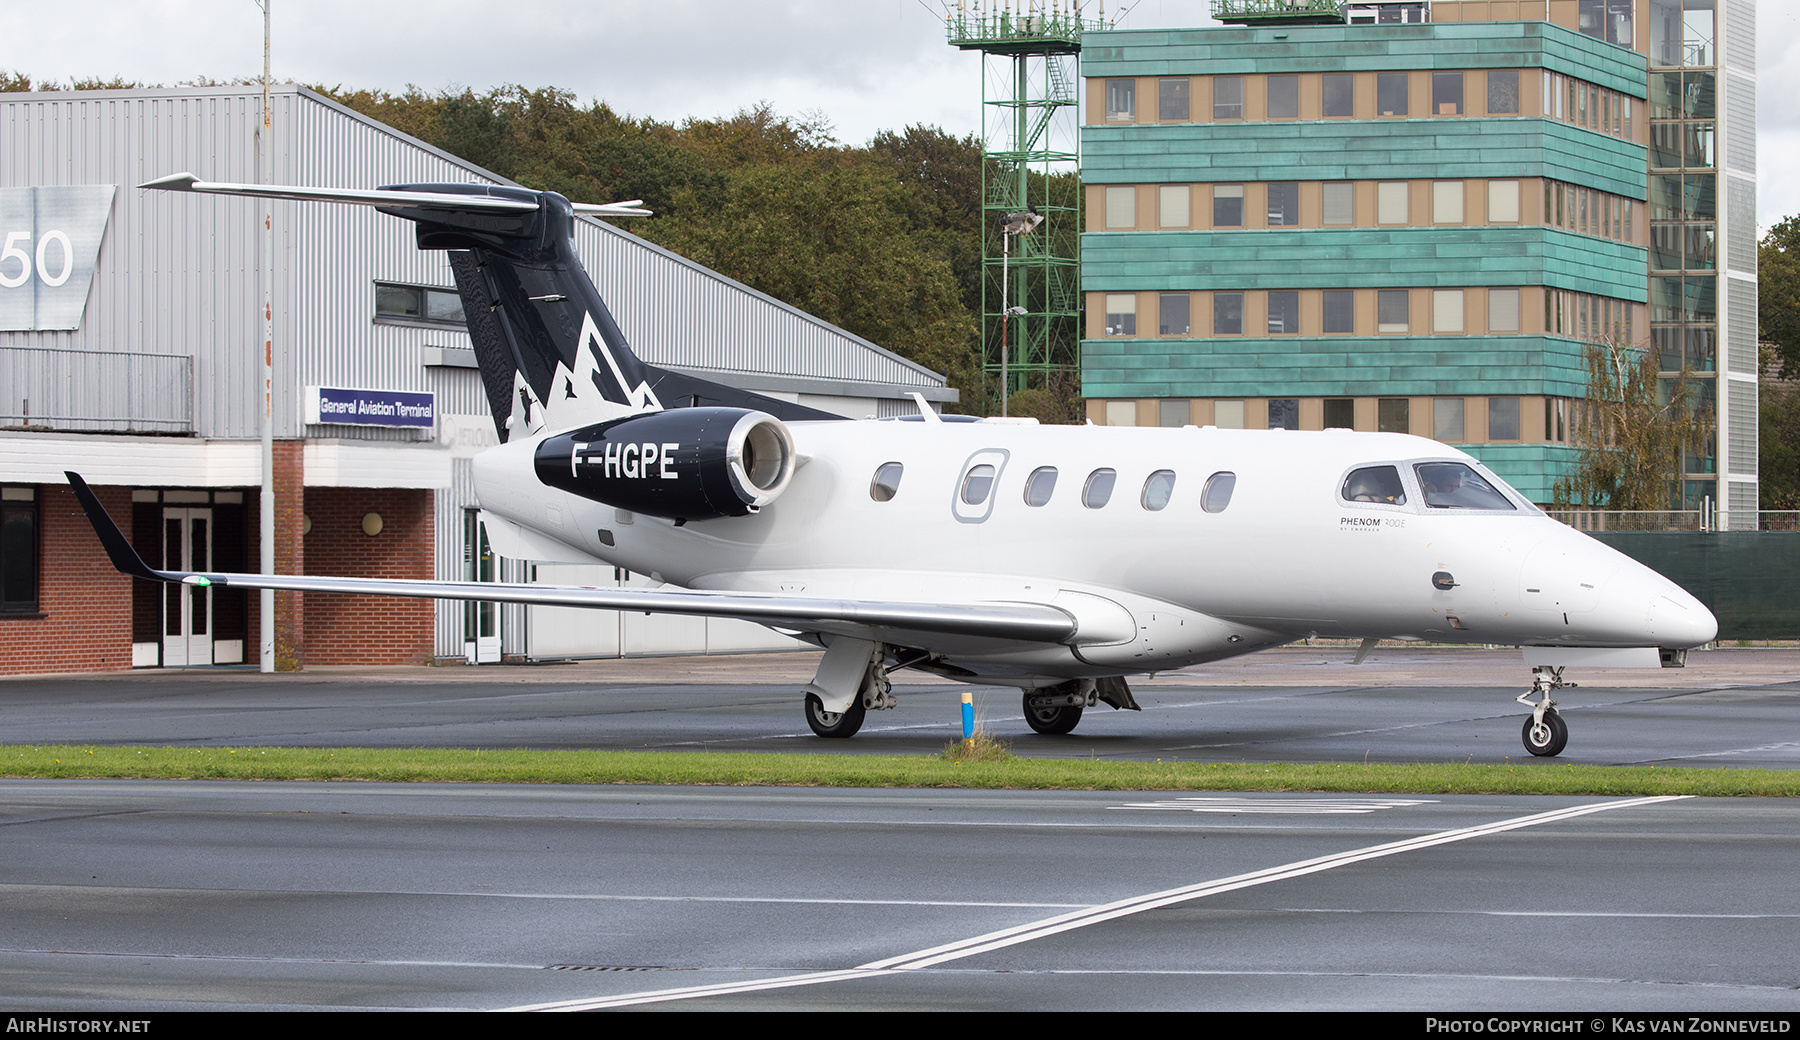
[{"x": 786, "y": 770}]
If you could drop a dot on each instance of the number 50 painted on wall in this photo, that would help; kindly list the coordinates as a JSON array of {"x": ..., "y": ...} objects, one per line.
[
  {"x": 49, "y": 241},
  {"x": 11, "y": 251}
]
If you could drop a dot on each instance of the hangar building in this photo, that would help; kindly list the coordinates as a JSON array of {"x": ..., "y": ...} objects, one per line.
[{"x": 130, "y": 328}]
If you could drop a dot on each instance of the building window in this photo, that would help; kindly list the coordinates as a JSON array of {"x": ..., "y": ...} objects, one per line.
[
  {"x": 1174, "y": 413},
  {"x": 18, "y": 550},
  {"x": 1503, "y": 418},
  {"x": 1446, "y": 310},
  {"x": 1172, "y": 206},
  {"x": 1447, "y": 419},
  {"x": 1608, "y": 20},
  {"x": 1284, "y": 314},
  {"x": 1340, "y": 312},
  {"x": 1340, "y": 202},
  {"x": 1172, "y": 99},
  {"x": 1503, "y": 310},
  {"x": 1284, "y": 97},
  {"x": 1446, "y": 202},
  {"x": 1228, "y": 97},
  {"x": 1340, "y": 95},
  {"x": 1121, "y": 413},
  {"x": 1393, "y": 415},
  {"x": 1172, "y": 314},
  {"x": 1340, "y": 413},
  {"x": 417, "y": 303},
  {"x": 1447, "y": 93},
  {"x": 1121, "y": 208},
  {"x": 1284, "y": 204},
  {"x": 1284, "y": 413},
  {"x": 1503, "y": 92},
  {"x": 1121, "y": 100},
  {"x": 1228, "y": 415},
  {"x": 1391, "y": 202},
  {"x": 1228, "y": 205},
  {"x": 1503, "y": 202},
  {"x": 1390, "y": 93},
  {"x": 1391, "y": 310},
  {"x": 1228, "y": 314},
  {"x": 1121, "y": 314}
]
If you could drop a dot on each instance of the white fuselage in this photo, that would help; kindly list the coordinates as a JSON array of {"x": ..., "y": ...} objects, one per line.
[{"x": 1150, "y": 589}]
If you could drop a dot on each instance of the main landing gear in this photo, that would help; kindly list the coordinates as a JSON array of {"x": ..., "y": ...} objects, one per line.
[
  {"x": 1057, "y": 709},
  {"x": 1545, "y": 732}
]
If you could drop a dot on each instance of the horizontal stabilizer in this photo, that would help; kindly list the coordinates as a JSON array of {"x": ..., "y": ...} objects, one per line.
[{"x": 386, "y": 197}]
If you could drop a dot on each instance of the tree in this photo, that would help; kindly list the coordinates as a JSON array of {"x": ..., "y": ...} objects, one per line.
[
  {"x": 1631, "y": 430},
  {"x": 1778, "y": 291},
  {"x": 1778, "y": 429},
  {"x": 1778, "y": 406}
]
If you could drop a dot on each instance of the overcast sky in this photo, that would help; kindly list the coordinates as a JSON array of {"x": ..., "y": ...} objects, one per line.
[{"x": 866, "y": 65}]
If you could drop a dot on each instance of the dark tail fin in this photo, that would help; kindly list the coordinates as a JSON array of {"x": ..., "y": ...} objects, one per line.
[{"x": 551, "y": 356}]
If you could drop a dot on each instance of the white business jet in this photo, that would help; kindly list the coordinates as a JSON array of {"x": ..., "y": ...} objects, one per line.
[{"x": 1055, "y": 559}]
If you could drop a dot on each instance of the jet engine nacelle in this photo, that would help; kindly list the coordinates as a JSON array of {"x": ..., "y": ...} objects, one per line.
[{"x": 683, "y": 464}]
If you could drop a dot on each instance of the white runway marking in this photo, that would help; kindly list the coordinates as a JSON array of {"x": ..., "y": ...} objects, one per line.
[{"x": 1096, "y": 915}]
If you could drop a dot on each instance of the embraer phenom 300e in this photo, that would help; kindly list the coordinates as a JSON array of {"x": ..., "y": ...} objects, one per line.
[{"x": 1055, "y": 559}]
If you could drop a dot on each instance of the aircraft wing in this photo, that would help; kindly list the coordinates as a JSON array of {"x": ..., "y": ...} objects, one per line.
[{"x": 1010, "y": 621}]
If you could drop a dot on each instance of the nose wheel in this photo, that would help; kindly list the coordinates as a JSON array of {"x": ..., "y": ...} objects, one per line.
[
  {"x": 1545, "y": 733},
  {"x": 1545, "y": 737}
]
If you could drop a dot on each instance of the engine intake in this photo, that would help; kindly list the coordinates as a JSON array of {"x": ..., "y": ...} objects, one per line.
[{"x": 682, "y": 464}]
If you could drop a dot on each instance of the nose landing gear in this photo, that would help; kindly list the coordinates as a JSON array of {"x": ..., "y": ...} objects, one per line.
[{"x": 1545, "y": 733}]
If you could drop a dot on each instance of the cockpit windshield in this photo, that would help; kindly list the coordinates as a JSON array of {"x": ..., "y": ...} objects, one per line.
[
  {"x": 1452, "y": 485},
  {"x": 1375, "y": 484}
]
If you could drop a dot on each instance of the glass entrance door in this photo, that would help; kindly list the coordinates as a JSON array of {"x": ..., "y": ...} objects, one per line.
[
  {"x": 187, "y": 609},
  {"x": 481, "y": 620}
]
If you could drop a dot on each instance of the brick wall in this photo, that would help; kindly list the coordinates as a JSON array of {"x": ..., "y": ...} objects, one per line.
[
  {"x": 85, "y": 603},
  {"x": 344, "y": 629}
]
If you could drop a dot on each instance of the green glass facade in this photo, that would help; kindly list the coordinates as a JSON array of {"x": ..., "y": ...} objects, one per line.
[{"x": 1428, "y": 224}]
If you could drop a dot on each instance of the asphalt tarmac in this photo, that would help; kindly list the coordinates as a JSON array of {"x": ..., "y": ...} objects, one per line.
[
  {"x": 147, "y": 896},
  {"x": 1726, "y": 708},
  {"x": 178, "y": 896}
]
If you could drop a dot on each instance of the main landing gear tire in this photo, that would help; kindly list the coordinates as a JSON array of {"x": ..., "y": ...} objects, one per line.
[
  {"x": 834, "y": 723},
  {"x": 1052, "y": 720},
  {"x": 1546, "y": 740}
]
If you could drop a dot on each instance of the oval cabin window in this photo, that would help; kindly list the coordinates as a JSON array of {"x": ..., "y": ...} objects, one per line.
[
  {"x": 1158, "y": 489},
  {"x": 887, "y": 481},
  {"x": 1217, "y": 493},
  {"x": 1099, "y": 488}
]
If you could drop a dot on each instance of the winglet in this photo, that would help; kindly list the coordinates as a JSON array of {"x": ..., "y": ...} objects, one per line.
[{"x": 124, "y": 557}]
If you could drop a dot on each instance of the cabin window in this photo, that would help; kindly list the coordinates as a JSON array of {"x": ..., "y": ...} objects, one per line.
[
  {"x": 1099, "y": 488},
  {"x": 1216, "y": 495},
  {"x": 1158, "y": 489},
  {"x": 1040, "y": 486},
  {"x": 977, "y": 483},
  {"x": 887, "y": 482},
  {"x": 1380, "y": 484},
  {"x": 1452, "y": 485}
]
